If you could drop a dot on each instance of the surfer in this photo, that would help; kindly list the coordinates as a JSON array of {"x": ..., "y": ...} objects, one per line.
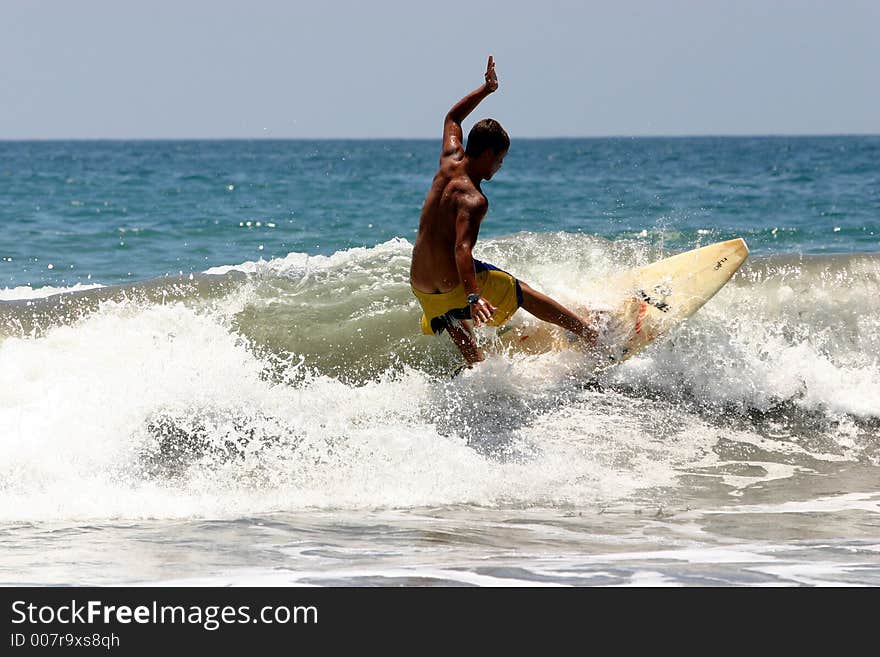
[{"x": 449, "y": 283}]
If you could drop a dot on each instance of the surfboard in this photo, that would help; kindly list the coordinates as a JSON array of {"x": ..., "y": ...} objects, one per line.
[{"x": 645, "y": 303}]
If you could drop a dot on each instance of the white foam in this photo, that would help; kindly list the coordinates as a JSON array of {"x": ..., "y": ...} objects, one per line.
[
  {"x": 736, "y": 351},
  {"x": 76, "y": 405},
  {"x": 817, "y": 574},
  {"x": 305, "y": 577},
  {"x": 302, "y": 265},
  {"x": 28, "y": 292},
  {"x": 831, "y": 504}
]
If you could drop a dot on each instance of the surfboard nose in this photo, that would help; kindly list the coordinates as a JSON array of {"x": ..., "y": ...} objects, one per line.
[{"x": 738, "y": 243}]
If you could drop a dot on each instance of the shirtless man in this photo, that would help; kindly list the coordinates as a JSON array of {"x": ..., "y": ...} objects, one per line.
[{"x": 450, "y": 285}]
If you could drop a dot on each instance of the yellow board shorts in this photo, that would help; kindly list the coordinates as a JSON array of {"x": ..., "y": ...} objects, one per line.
[{"x": 497, "y": 286}]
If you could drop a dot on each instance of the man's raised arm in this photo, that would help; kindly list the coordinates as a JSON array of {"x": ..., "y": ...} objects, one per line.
[{"x": 452, "y": 133}]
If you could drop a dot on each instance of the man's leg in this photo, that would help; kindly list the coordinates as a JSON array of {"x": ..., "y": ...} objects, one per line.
[
  {"x": 463, "y": 338},
  {"x": 548, "y": 310}
]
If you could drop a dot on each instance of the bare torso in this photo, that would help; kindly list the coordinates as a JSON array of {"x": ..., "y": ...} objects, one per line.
[{"x": 433, "y": 266}]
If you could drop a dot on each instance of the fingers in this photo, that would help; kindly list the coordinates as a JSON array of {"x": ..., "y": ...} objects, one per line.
[
  {"x": 486, "y": 311},
  {"x": 491, "y": 77},
  {"x": 482, "y": 312}
]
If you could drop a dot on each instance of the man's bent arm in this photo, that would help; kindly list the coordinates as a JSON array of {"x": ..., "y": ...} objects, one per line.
[
  {"x": 467, "y": 226},
  {"x": 452, "y": 132}
]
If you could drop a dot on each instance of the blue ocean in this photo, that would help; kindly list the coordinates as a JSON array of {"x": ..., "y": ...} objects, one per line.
[{"x": 211, "y": 370}]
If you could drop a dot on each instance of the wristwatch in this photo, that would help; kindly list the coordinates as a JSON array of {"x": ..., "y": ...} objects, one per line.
[{"x": 472, "y": 299}]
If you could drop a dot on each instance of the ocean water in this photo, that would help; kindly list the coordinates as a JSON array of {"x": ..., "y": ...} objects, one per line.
[{"x": 211, "y": 370}]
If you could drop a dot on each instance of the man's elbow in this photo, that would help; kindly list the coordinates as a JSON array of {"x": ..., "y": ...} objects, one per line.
[{"x": 452, "y": 117}]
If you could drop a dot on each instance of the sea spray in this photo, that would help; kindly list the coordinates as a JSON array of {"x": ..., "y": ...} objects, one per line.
[{"x": 246, "y": 398}]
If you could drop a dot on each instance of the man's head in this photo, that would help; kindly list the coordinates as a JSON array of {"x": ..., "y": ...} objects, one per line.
[{"x": 487, "y": 144}]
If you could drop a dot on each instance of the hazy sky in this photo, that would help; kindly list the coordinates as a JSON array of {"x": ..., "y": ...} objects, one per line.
[{"x": 388, "y": 68}]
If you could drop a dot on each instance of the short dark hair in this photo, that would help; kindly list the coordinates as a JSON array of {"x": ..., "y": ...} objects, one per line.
[{"x": 486, "y": 134}]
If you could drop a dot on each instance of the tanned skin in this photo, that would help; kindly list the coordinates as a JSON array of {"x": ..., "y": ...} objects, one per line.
[{"x": 450, "y": 222}]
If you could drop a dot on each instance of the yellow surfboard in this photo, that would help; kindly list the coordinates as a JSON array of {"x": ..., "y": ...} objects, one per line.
[{"x": 646, "y": 302}]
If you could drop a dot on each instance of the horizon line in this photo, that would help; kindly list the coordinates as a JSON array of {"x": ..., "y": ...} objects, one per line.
[{"x": 757, "y": 135}]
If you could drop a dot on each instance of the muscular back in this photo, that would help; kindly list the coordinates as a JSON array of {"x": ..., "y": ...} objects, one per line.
[{"x": 452, "y": 200}]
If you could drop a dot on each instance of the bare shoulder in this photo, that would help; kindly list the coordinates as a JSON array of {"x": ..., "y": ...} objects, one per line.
[
  {"x": 466, "y": 196},
  {"x": 450, "y": 165},
  {"x": 453, "y": 149}
]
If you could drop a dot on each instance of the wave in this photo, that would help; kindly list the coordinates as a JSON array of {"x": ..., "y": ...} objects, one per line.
[
  {"x": 786, "y": 326},
  {"x": 302, "y": 381}
]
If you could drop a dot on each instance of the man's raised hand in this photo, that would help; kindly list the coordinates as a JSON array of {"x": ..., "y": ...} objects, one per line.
[{"x": 491, "y": 78}]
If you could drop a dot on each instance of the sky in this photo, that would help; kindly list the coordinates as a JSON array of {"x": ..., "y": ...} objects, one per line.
[{"x": 176, "y": 69}]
